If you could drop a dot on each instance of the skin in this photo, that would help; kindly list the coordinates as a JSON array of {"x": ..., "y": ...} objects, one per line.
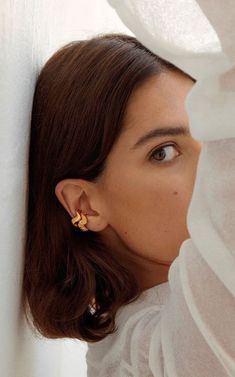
[{"x": 139, "y": 205}]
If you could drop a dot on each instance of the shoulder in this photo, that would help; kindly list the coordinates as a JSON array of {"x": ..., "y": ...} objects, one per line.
[
  {"x": 137, "y": 339},
  {"x": 126, "y": 351}
]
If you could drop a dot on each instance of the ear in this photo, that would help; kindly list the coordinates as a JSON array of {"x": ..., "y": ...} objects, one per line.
[{"x": 81, "y": 195}]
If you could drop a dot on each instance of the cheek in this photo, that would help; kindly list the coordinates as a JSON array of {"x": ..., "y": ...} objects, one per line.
[
  {"x": 154, "y": 202},
  {"x": 124, "y": 199},
  {"x": 150, "y": 215}
]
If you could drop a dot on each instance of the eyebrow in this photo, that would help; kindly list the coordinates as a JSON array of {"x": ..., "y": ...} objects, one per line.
[{"x": 159, "y": 132}]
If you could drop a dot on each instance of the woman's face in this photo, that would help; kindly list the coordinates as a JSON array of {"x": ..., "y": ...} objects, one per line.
[{"x": 149, "y": 177}]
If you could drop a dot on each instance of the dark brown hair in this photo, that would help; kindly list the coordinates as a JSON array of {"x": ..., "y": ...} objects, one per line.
[{"x": 78, "y": 108}]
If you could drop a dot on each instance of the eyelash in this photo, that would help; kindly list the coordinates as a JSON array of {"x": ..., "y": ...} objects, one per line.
[{"x": 159, "y": 149}]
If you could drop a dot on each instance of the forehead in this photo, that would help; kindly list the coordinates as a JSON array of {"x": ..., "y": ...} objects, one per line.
[{"x": 159, "y": 101}]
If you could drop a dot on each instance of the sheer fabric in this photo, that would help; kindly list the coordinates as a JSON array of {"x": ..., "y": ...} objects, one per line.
[{"x": 191, "y": 330}]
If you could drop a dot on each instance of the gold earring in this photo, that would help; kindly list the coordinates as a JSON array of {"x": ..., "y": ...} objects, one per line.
[
  {"x": 79, "y": 221},
  {"x": 82, "y": 223}
]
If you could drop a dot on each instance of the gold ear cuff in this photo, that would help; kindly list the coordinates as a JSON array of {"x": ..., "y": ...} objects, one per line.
[{"x": 79, "y": 221}]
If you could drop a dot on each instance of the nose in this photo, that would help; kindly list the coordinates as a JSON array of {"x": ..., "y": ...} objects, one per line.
[
  {"x": 199, "y": 144},
  {"x": 197, "y": 149}
]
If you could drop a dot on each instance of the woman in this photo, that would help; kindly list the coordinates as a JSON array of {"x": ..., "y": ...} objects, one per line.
[{"x": 112, "y": 167}]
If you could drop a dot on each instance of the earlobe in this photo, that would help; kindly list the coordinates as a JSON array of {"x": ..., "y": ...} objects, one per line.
[{"x": 77, "y": 196}]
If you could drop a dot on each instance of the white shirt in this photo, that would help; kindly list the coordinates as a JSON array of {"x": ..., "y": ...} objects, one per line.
[{"x": 112, "y": 355}]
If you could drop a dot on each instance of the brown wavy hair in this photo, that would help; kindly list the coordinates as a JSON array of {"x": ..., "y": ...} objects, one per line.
[{"x": 70, "y": 287}]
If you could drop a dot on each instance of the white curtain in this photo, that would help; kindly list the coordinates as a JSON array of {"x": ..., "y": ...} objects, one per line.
[
  {"x": 197, "y": 36},
  {"x": 30, "y": 31}
]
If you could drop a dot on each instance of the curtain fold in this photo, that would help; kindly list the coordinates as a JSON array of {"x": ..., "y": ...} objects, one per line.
[{"x": 198, "y": 37}]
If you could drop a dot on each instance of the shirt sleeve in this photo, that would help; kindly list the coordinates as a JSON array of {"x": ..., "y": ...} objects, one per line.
[{"x": 195, "y": 333}]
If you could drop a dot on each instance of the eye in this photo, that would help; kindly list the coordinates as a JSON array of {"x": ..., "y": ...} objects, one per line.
[{"x": 165, "y": 153}]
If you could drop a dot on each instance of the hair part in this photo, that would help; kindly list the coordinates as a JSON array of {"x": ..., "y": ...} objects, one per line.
[{"x": 71, "y": 286}]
